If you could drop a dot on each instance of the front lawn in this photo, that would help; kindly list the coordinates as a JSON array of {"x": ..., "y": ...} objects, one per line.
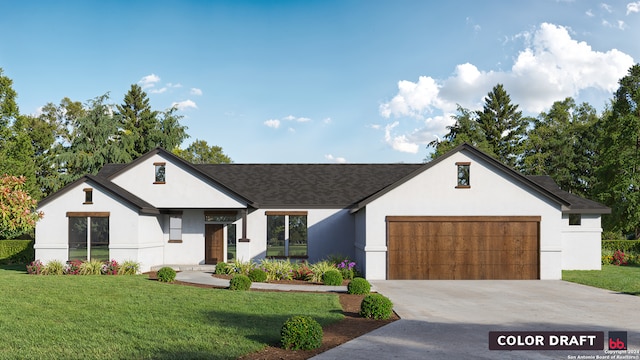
[
  {"x": 131, "y": 317},
  {"x": 624, "y": 279}
]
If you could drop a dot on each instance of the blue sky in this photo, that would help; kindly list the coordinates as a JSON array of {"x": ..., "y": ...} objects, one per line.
[{"x": 318, "y": 81}]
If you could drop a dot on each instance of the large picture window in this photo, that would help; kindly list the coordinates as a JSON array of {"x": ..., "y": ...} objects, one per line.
[
  {"x": 287, "y": 234},
  {"x": 89, "y": 236}
]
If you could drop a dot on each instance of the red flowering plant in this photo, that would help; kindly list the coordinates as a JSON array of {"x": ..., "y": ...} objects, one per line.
[
  {"x": 110, "y": 268},
  {"x": 302, "y": 272},
  {"x": 35, "y": 267},
  {"x": 72, "y": 267},
  {"x": 619, "y": 258}
]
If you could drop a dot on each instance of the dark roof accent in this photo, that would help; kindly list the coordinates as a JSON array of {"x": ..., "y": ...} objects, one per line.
[
  {"x": 129, "y": 198},
  {"x": 307, "y": 185},
  {"x": 577, "y": 204},
  {"x": 110, "y": 169},
  {"x": 514, "y": 175}
]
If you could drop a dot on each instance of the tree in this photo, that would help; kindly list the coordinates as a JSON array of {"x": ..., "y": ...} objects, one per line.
[
  {"x": 17, "y": 208},
  {"x": 199, "y": 152},
  {"x": 465, "y": 130},
  {"x": 170, "y": 132},
  {"x": 561, "y": 144},
  {"x": 138, "y": 121},
  {"x": 502, "y": 125},
  {"x": 95, "y": 141},
  {"x": 8, "y": 106},
  {"x": 619, "y": 171}
]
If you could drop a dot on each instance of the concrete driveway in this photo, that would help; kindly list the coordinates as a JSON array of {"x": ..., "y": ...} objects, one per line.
[{"x": 452, "y": 319}]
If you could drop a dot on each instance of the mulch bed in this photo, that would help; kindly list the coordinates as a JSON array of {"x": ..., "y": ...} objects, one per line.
[{"x": 334, "y": 334}]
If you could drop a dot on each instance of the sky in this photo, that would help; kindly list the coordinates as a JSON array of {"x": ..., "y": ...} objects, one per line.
[{"x": 318, "y": 81}]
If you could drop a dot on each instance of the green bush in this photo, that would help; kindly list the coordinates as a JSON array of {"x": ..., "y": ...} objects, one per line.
[
  {"x": 166, "y": 274},
  {"x": 359, "y": 286},
  {"x": 240, "y": 267},
  {"x": 626, "y": 246},
  {"x": 277, "y": 269},
  {"x": 129, "y": 267},
  {"x": 54, "y": 267},
  {"x": 93, "y": 267},
  {"x": 376, "y": 306},
  {"x": 332, "y": 278},
  {"x": 318, "y": 269},
  {"x": 222, "y": 268},
  {"x": 301, "y": 333},
  {"x": 257, "y": 275},
  {"x": 240, "y": 282},
  {"x": 16, "y": 251}
]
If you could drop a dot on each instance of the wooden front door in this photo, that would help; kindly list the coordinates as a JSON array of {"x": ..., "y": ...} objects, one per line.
[{"x": 213, "y": 243}]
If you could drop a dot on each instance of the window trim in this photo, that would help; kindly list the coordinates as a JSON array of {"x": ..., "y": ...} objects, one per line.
[
  {"x": 157, "y": 166},
  {"x": 88, "y": 196},
  {"x": 459, "y": 165},
  {"x": 89, "y": 216}
]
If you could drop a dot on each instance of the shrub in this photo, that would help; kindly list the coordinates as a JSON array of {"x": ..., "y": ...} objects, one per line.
[
  {"x": 166, "y": 274},
  {"x": 257, "y": 275},
  {"x": 359, "y": 286},
  {"x": 35, "y": 267},
  {"x": 16, "y": 251},
  {"x": 110, "y": 268},
  {"x": 73, "y": 267},
  {"x": 93, "y": 267},
  {"x": 54, "y": 267},
  {"x": 619, "y": 258},
  {"x": 332, "y": 278},
  {"x": 376, "y": 306},
  {"x": 318, "y": 269},
  {"x": 277, "y": 269},
  {"x": 222, "y": 268},
  {"x": 302, "y": 272},
  {"x": 626, "y": 246},
  {"x": 301, "y": 333},
  {"x": 129, "y": 267},
  {"x": 240, "y": 267},
  {"x": 240, "y": 282}
]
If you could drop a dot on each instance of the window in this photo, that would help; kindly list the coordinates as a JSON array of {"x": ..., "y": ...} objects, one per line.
[
  {"x": 88, "y": 196},
  {"x": 231, "y": 242},
  {"x": 175, "y": 227},
  {"x": 160, "y": 173},
  {"x": 85, "y": 244},
  {"x": 463, "y": 175},
  {"x": 286, "y": 234},
  {"x": 575, "y": 219}
]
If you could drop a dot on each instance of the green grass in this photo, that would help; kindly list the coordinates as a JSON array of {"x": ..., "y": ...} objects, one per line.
[
  {"x": 624, "y": 279},
  {"x": 131, "y": 317}
]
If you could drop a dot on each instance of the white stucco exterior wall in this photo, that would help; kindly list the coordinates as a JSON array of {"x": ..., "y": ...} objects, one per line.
[
  {"x": 52, "y": 231},
  {"x": 433, "y": 193},
  {"x": 582, "y": 244},
  {"x": 182, "y": 189}
]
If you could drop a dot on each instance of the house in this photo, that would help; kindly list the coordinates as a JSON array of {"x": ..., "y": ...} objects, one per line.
[{"x": 462, "y": 216}]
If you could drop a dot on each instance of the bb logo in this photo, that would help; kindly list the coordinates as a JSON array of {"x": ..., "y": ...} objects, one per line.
[{"x": 617, "y": 340}]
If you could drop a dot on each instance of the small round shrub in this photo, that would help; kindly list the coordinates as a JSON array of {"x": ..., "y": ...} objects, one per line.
[
  {"x": 359, "y": 286},
  {"x": 221, "y": 268},
  {"x": 257, "y": 275},
  {"x": 332, "y": 278},
  {"x": 301, "y": 333},
  {"x": 166, "y": 274},
  {"x": 240, "y": 282},
  {"x": 376, "y": 306}
]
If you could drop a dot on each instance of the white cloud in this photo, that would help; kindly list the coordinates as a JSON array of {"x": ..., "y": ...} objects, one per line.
[
  {"x": 196, "y": 91},
  {"x": 589, "y": 13},
  {"x": 633, "y": 7},
  {"x": 149, "y": 81},
  {"x": 272, "y": 123},
  {"x": 339, "y": 160},
  {"x": 158, "y": 91},
  {"x": 606, "y": 7},
  {"x": 178, "y": 85},
  {"x": 183, "y": 105},
  {"x": 326, "y": 121},
  {"x": 551, "y": 67}
]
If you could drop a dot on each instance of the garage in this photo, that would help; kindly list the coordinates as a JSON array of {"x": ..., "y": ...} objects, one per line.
[{"x": 463, "y": 247}]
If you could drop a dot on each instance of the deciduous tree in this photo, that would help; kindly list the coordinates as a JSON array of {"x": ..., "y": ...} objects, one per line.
[
  {"x": 199, "y": 152},
  {"x": 17, "y": 208}
]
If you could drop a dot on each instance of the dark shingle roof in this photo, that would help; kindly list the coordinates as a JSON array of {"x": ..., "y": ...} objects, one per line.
[
  {"x": 578, "y": 205},
  {"x": 307, "y": 185}
]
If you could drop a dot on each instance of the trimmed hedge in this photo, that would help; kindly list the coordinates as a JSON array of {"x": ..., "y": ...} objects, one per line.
[
  {"x": 625, "y": 245},
  {"x": 16, "y": 251},
  {"x": 301, "y": 333}
]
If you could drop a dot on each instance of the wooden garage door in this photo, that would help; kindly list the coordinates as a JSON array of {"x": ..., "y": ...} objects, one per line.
[{"x": 466, "y": 247}]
